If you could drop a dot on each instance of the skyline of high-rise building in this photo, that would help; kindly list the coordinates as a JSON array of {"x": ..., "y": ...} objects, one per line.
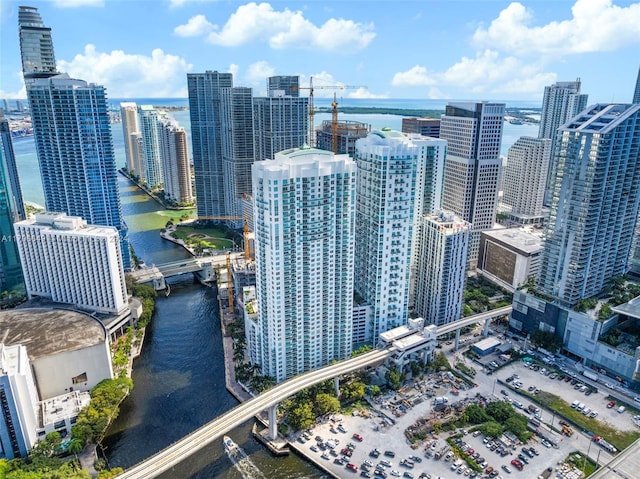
[
  {"x": 11, "y": 210},
  {"x": 205, "y": 115},
  {"x": 560, "y": 102},
  {"x": 473, "y": 131},
  {"x": 440, "y": 279},
  {"x": 36, "y": 45},
  {"x": 595, "y": 202},
  {"x": 385, "y": 201},
  {"x": 304, "y": 213},
  {"x": 238, "y": 153},
  {"x": 131, "y": 136},
  {"x": 150, "y": 126},
  {"x": 524, "y": 179},
  {"x": 72, "y": 131},
  {"x": 176, "y": 166},
  {"x": 347, "y": 132},
  {"x": 281, "y": 119}
]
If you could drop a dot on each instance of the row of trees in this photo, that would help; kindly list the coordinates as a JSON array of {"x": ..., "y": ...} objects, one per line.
[{"x": 497, "y": 417}]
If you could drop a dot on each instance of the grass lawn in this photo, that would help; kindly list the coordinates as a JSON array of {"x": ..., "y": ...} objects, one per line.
[
  {"x": 213, "y": 238},
  {"x": 620, "y": 439}
]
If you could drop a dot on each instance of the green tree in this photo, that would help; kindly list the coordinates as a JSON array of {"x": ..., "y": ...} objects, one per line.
[
  {"x": 394, "y": 378},
  {"x": 111, "y": 473},
  {"x": 476, "y": 414},
  {"x": 325, "y": 403},
  {"x": 491, "y": 429},
  {"x": 500, "y": 411},
  {"x": 374, "y": 390},
  {"x": 301, "y": 416},
  {"x": 353, "y": 391}
]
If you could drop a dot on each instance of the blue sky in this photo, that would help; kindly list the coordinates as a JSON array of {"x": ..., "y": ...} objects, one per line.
[{"x": 452, "y": 49}]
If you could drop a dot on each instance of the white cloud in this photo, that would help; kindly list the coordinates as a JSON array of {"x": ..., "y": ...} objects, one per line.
[
  {"x": 22, "y": 93},
  {"x": 180, "y": 3},
  {"x": 78, "y": 3},
  {"x": 363, "y": 92},
  {"x": 416, "y": 76},
  {"x": 233, "y": 69},
  {"x": 595, "y": 26},
  {"x": 288, "y": 29},
  {"x": 131, "y": 75},
  {"x": 488, "y": 72},
  {"x": 258, "y": 72},
  {"x": 196, "y": 26}
]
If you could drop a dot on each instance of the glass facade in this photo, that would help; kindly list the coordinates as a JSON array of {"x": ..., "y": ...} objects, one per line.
[{"x": 11, "y": 210}]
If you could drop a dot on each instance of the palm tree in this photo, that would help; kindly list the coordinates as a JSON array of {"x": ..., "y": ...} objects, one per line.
[{"x": 75, "y": 447}]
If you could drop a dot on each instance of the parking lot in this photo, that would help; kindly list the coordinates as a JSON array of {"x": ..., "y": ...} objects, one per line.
[{"x": 384, "y": 430}]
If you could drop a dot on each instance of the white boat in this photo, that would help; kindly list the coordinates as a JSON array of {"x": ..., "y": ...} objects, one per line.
[{"x": 229, "y": 446}]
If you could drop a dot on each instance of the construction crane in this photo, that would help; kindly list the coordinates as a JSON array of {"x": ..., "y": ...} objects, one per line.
[
  {"x": 311, "y": 88},
  {"x": 247, "y": 251},
  {"x": 334, "y": 125}
]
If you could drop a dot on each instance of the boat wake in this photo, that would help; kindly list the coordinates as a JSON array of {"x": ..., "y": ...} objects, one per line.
[{"x": 243, "y": 463}]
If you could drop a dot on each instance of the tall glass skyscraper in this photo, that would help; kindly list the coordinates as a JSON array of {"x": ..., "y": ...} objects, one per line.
[
  {"x": 561, "y": 102},
  {"x": 11, "y": 210},
  {"x": 472, "y": 171},
  {"x": 36, "y": 45},
  {"x": 594, "y": 203},
  {"x": 73, "y": 140},
  {"x": 204, "y": 109}
]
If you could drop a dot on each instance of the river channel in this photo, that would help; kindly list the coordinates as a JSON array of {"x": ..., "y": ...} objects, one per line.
[{"x": 179, "y": 378}]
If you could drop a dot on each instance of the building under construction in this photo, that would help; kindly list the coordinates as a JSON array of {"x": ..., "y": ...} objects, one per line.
[{"x": 347, "y": 132}]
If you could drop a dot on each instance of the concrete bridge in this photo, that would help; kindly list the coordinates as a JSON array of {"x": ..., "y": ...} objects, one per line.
[
  {"x": 269, "y": 400},
  {"x": 203, "y": 267}
]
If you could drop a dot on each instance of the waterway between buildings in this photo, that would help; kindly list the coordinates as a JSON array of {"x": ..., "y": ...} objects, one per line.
[{"x": 179, "y": 378}]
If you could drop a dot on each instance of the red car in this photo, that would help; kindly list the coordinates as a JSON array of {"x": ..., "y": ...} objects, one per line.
[
  {"x": 611, "y": 404},
  {"x": 470, "y": 451},
  {"x": 352, "y": 467},
  {"x": 358, "y": 437},
  {"x": 517, "y": 464}
]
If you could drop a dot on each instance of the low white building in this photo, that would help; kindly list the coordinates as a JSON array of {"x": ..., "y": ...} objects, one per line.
[
  {"x": 68, "y": 261},
  {"x": 509, "y": 257},
  {"x": 68, "y": 350}
]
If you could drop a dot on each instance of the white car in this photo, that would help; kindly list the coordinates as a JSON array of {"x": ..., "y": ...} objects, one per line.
[{"x": 395, "y": 473}]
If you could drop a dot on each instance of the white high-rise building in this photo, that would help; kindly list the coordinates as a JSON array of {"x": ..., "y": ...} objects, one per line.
[
  {"x": 399, "y": 177},
  {"x": 304, "y": 213},
  {"x": 68, "y": 261},
  {"x": 472, "y": 173},
  {"x": 19, "y": 400},
  {"x": 130, "y": 131},
  {"x": 442, "y": 253},
  {"x": 560, "y": 103},
  {"x": 176, "y": 168},
  {"x": 149, "y": 121},
  {"x": 524, "y": 179}
]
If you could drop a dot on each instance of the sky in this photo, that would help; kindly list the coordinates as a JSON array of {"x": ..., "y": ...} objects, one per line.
[{"x": 427, "y": 49}]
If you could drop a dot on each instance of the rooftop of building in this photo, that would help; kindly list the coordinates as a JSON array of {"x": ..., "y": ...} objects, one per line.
[
  {"x": 50, "y": 220},
  {"x": 630, "y": 308},
  {"x": 526, "y": 240},
  {"x": 65, "y": 406},
  {"x": 487, "y": 343},
  {"x": 601, "y": 117},
  {"x": 48, "y": 331}
]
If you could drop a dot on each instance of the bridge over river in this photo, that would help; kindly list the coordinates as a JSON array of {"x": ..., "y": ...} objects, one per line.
[
  {"x": 268, "y": 400},
  {"x": 202, "y": 266}
]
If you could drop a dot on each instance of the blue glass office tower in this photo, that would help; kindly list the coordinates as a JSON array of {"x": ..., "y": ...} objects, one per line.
[
  {"x": 595, "y": 202},
  {"x": 73, "y": 140},
  {"x": 11, "y": 210},
  {"x": 206, "y": 139}
]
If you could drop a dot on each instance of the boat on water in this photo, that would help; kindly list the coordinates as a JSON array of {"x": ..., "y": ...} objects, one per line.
[{"x": 229, "y": 445}]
